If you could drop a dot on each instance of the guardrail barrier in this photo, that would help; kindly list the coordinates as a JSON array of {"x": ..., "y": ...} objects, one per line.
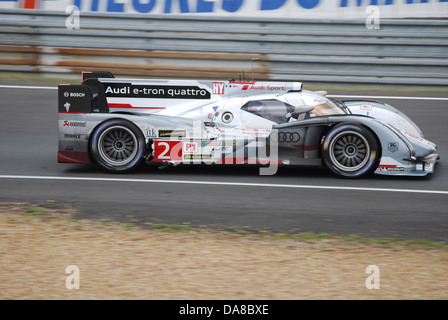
[{"x": 402, "y": 53}]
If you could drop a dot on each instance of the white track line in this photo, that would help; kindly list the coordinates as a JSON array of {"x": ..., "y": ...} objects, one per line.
[
  {"x": 27, "y": 87},
  {"x": 222, "y": 183},
  {"x": 330, "y": 96}
]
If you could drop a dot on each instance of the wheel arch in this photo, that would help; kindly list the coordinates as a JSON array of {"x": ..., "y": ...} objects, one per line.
[
  {"x": 326, "y": 129},
  {"x": 332, "y": 134},
  {"x": 91, "y": 134}
]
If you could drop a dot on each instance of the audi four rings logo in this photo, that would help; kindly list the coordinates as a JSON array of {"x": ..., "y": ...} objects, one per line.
[{"x": 288, "y": 137}]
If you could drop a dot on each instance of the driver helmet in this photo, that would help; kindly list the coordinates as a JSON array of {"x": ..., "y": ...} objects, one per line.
[{"x": 255, "y": 106}]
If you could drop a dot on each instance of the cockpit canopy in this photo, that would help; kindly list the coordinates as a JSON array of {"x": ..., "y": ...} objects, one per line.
[
  {"x": 280, "y": 112},
  {"x": 270, "y": 109}
]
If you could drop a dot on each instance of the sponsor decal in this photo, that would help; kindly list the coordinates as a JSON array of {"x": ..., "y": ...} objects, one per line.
[
  {"x": 320, "y": 101},
  {"x": 413, "y": 136},
  {"x": 172, "y": 133},
  {"x": 263, "y": 88},
  {"x": 218, "y": 88},
  {"x": 367, "y": 107},
  {"x": 75, "y": 124},
  {"x": 391, "y": 168},
  {"x": 288, "y": 137},
  {"x": 155, "y": 91},
  {"x": 67, "y": 106},
  {"x": 151, "y": 133},
  {"x": 72, "y": 136},
  {"x": 197, "y": 156},
  {"x": 392, "y": 146},
  {"x": 228, "y": 143},
  {"x": 74, "y": 94},
  {"x": 191, "y": 147},
  {"x": 227, "y": 149}
]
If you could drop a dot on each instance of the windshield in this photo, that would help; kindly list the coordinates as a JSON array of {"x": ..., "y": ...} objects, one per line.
[
  {"x": 280, "y": 112},
  {"x": 327, "y": 108}
]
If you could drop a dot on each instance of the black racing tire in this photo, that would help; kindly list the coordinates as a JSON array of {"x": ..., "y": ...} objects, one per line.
[
  {"x": 117, "y": 146},
  {"x": 350, "y": 151}
]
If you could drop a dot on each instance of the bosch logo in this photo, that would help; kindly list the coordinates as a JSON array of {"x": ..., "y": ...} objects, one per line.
[
  {"x": 74, "y": 94},
  {"x": 288, "y": 137},
  {"x": 77, "y": 94}
]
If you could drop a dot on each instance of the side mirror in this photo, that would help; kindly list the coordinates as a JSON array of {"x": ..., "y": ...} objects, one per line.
[
  {"x": 322, "y": 93},
  {"x": 299, "y": 110},
  {"x": 303, "y": 109}
]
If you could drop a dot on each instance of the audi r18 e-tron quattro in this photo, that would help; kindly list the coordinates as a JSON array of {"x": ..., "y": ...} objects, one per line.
[{"x": 120, "y": 123}]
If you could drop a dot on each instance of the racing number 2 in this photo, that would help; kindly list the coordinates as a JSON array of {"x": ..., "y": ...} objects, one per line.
[{"x": 167, "y": 150}]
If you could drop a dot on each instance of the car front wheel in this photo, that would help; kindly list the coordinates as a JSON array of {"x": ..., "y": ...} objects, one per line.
[{"x": 350, "y": 150}]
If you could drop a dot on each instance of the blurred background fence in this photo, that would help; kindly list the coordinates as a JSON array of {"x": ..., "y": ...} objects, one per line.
[{"x": 336, "y": 53}]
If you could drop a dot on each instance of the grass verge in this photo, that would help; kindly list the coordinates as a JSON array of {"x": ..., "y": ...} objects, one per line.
[
  {"x": 22, "y": 211},
  {"x": 131, "y": 260}
]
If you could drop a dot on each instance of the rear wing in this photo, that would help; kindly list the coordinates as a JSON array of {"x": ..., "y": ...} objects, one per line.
[
  {"x": 186, "y": 89},
  {"x": 87, "y": 97},
  {"x": 96, "y": 74},
  {"x": 100, "y": 91}
]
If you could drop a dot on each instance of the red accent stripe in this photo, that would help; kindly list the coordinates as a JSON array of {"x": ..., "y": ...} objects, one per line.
[
  {"x": 73, "y": 157},
  {"x": 128, "y": 106},
  {"x": 30, "y": 4},
  {"x": 387, "y": 166},
  {"x": 246, "y": 160},
  {"x": 85, "y": 72},
  {"x": 311, "y": 148},
  {"x": 242, "y": 82},
  {"x": 267, "y": 161},
  {"x": 306, "y": 148},
  {"x": 241, "y": 160},
  {"x": 73, "y": 112}
]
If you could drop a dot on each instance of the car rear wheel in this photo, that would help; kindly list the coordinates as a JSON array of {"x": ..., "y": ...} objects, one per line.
[
  {"x": 350, "y": 150},
  {"x": 117, "y": 146}
]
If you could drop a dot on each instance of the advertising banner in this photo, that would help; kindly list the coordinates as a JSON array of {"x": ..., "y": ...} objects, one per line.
[{"x": 290, "y": 9}]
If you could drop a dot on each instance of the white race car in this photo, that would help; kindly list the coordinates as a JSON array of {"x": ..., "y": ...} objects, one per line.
[{"x": 118, "y": 123}]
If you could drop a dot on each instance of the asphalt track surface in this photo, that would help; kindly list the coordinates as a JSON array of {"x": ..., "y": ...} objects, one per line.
[{"x": 304, "y": 199}]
